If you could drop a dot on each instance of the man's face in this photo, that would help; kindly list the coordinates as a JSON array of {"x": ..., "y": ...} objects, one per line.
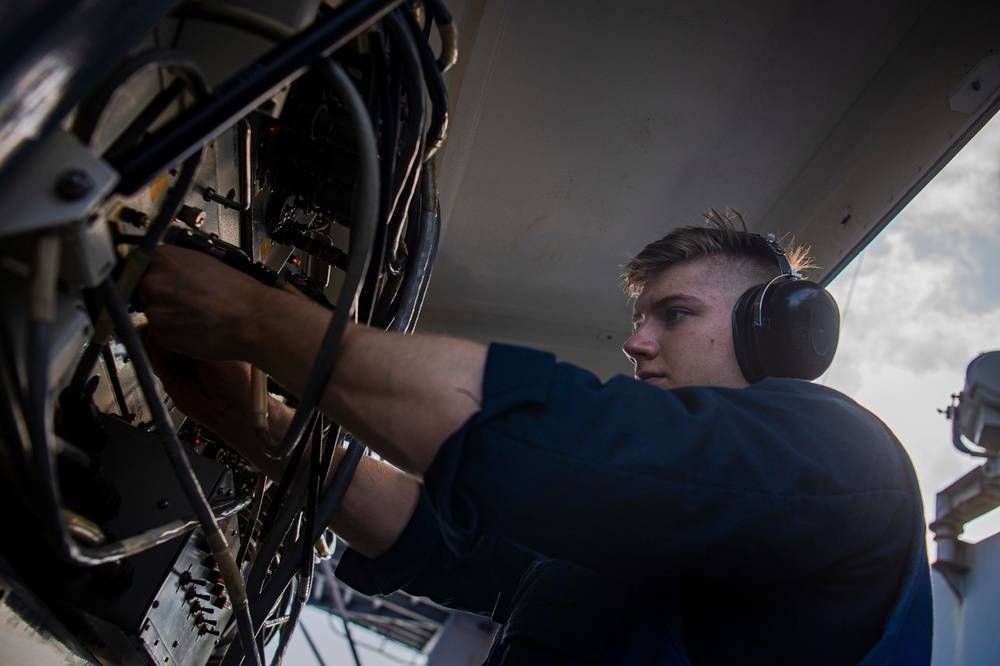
[{"x": 683, "y": 327}]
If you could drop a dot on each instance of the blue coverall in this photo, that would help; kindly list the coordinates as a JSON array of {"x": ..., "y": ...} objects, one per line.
[{"x": 621, "y": 524}]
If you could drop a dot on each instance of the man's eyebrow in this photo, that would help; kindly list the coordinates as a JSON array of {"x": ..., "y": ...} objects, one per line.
[{"x": 668, "y": 301}]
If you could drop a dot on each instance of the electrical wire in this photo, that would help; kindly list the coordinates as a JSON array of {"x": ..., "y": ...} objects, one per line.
[
  {"x": 428, "y": 240},
  {"x": 288, "y": 509},
  {"x": 283, "y": 508},
  {"x": 232, "y": 578},
  {"x": 398, "y": 162},
  {"x": 359, "y": 256},
  {"x": 258, "y": 503},
  {"x": 363, "y": 234},
  {"x": 403, "y": 312},
  {"x": 41, "y": 315},
  {"x": 303, "y": 587},
  {"x": 448, "y": 32},
  {"x": 245, "y": 90},
  {"x": 290, "y": 564},
  {"x": 255, "y": 23},
  {"x": 92, "y": 109},
  {"x": 64, "y": 524},
  {"x": 138, "y": 259},
  {"x": 435, "y": 90},
  {"x": 135, "y": 266},
  {"x": 115, "y": 380},
  {"x": 398, "y": 26}
]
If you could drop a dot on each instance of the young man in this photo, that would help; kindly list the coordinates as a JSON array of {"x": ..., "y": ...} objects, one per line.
[{"x": 689, "y": 517}]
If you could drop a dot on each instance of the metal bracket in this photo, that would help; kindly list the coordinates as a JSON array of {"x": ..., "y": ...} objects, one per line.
[
  {"x": 61, "y": 182},
  {"x": 978, "y": 87}
]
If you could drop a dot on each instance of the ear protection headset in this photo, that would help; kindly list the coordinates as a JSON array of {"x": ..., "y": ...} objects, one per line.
[{"x": 788, "y": 327}]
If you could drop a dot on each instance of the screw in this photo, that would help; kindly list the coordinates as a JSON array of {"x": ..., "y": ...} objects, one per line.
[
  {"x": 191, "y": 216},
  {"x": 976, "y": 86},
  {"x": 74, "y": 184},
  {"x": 229, "y": 202},
  {"x": 134, "y": 217},
  {"x": 163, "y": 504}
]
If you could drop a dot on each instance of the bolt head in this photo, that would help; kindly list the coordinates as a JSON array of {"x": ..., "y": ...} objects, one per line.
[{"x": 74, "y": 184}]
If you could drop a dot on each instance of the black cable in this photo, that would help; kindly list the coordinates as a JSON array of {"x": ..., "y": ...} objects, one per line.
[
  {"x": 402, "y": 210},
  {"x": 303, "y": 587},
  {"x": 438, "y": 11},
  {"x": 135, "y": 266},
  {"x": 423, "y": 233},
  {"x": 397, "y": 26},
  {"x": 116, "y": 383},
  {"x": 360, "y": 254},
  {"x": 255, "y": 23},
  {"x": 274, "y": 510},
  {"x": 132, "y": 134},
  {"x": 435, "y": 89},
  {"x": 388, "y": 104},
  {"x": 290, "y": 563},
  {"x": 37, "y": 412},
  {"x": 425, "y": 252},
  {"x": 315, "y": 474},
  {"x": 287, "y": 508},
  {"x": 405, "y": 65},
  {"x": 342, "y": 608},
  {"x": 244, "y": 91},
  {"x": 447, "y": 31},
  {"x": 92, "y": 109},
  {"x": 232, "y": 578},
  {"x": 14, "y": 439},
  {"x": 254, "y": 516},
  {"x": 281, "y": 514}
]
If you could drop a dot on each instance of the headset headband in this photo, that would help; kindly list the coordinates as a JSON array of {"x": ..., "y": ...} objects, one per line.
[{"x": 779, "y": 254}]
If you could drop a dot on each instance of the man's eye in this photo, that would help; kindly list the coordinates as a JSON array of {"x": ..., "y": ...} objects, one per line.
[{"x": 674, "y": 315}]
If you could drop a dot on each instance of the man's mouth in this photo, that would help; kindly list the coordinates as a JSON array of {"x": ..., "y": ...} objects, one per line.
[{"x": 648, "y": 377}]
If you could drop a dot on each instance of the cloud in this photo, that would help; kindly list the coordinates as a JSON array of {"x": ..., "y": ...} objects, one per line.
[{"x": 924, "y": 301}]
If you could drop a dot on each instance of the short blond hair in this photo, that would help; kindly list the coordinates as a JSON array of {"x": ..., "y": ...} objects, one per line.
[{"x": 721, "y": 238}]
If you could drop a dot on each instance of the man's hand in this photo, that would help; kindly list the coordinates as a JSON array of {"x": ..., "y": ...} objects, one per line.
[
  {"x": 216, "y": 394},
  {"x": 196, "y": 305},
  {"x": 401, "y": 394}
]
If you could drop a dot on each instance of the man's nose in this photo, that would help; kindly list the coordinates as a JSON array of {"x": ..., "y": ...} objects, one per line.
[{"x": 640, "y": 345}]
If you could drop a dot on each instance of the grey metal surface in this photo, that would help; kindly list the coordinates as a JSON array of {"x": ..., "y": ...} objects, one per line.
[
  {"x": 965, "y": 618},
  {"x": 582, "y": 131}
]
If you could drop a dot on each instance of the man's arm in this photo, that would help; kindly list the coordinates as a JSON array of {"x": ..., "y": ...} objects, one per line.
[
  {"x": 380, "y": 500},
  {"x": 402, "y": 395}
]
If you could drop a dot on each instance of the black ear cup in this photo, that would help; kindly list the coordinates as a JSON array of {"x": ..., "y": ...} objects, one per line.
[{"x": 787, "y": 328}]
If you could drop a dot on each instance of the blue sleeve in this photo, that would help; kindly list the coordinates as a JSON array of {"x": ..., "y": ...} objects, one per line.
[
  {"x": 422, "y": 564},
  {"x": 775, "y": 481}
]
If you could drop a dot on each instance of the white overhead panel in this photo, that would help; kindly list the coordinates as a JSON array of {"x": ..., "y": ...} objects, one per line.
[{"x": 580, "y": 131}]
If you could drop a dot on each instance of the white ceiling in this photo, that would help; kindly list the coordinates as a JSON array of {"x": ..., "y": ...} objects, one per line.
[{"x": 581, "y": 130}]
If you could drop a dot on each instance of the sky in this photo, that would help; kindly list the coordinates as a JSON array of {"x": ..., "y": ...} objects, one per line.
[{"x": 918, "y": 305}]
